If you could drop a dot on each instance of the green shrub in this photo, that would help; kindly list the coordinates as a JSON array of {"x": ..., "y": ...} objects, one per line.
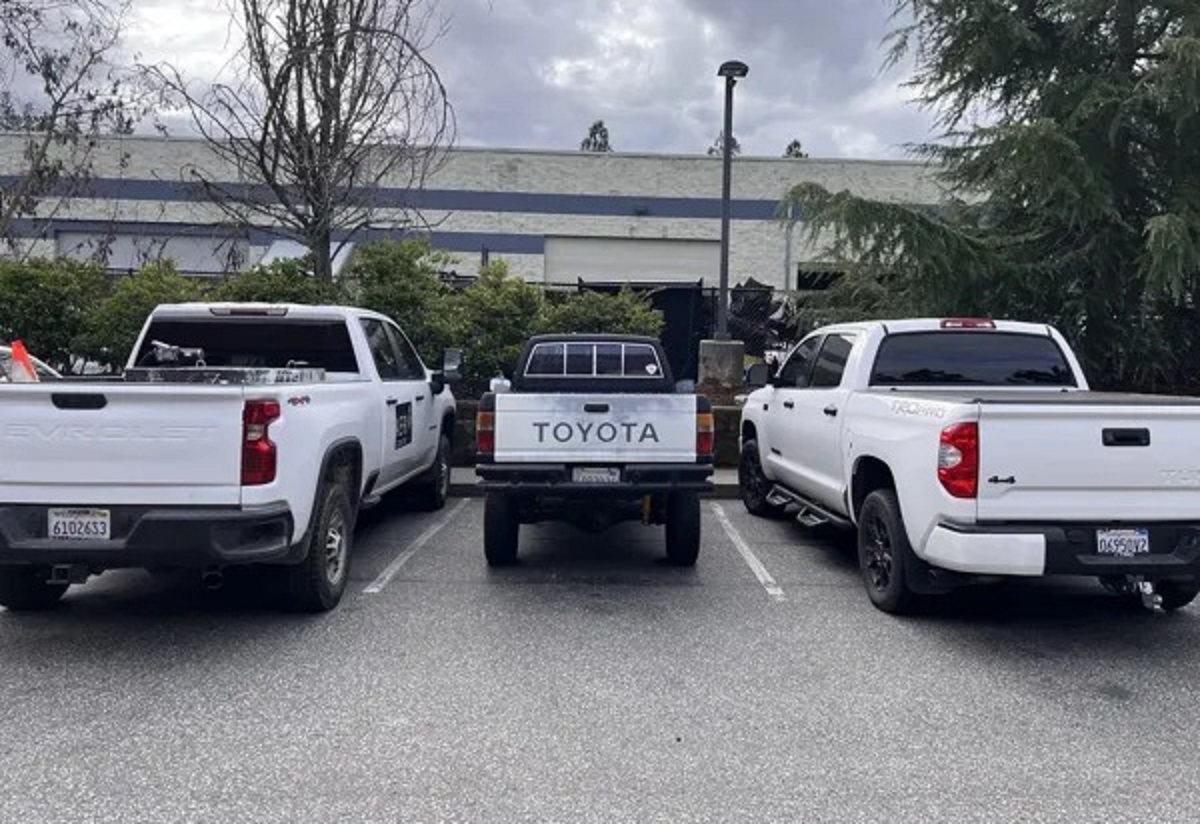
[
  {"x": 495, "y": 316},
  {"x": 624, "y": 313},
  {"x": 114, "y": 323},
  {"x": 46, "y": 304},
  {"x": 400, "y": 279},
  {"x": 281, "y": 281}
]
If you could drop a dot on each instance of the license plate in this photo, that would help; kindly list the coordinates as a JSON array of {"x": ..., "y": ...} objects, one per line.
[
  {"x": 596, "y": 475},
  {"x": 1124, "y": 543},
  {"x": 79, "y": 524}
]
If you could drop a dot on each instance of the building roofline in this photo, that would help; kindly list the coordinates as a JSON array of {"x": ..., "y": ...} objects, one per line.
[{"x": 575, "y": 153}]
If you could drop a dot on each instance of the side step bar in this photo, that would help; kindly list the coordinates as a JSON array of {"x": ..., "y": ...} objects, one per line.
[{"x": 810, "y": 514}]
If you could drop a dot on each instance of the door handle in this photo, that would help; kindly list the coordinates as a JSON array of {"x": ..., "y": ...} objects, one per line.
[
  {"x": 789, "y": 405},
  {"x": 831, "y": 411},
  {"x": 392, "y": 401},
  {"x": 595, "y": 408},
  {"x": 420, "y": 397}
]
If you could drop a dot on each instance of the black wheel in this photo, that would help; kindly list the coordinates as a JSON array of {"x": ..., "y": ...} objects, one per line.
[
  {"x": 24, "y": 588},
  {"x": 435, "y": 489},
  {"x": 316, "y": 584},
  {"x": 754, "y": 485},
  {"x": 1177, "y": 594},
  {"x": 884, "y": 553},
  {"x": 683, "y": 528},
  {"x": 501, "y": 529}
]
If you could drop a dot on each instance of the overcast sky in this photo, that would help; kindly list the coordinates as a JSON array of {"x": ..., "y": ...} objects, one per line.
[{"x": 536, "y": 73}]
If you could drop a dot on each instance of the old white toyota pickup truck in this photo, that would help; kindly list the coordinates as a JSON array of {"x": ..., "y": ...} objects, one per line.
[
  {"x": 591, "y": 431},
  {"x": 237, "y": 434},
  {"x": 961, "y": 448}
]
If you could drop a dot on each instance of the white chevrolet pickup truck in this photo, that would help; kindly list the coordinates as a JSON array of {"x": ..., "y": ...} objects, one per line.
[
  {"x": 964, "y": 448},
  {"x": 237, "y": 434},
  {"x": 592, "y": 431}
]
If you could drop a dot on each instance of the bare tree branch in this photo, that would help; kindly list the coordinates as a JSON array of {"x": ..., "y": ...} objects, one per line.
[
  {"x": 333, "y": 100},
  {"x": 63, "y": 93}
]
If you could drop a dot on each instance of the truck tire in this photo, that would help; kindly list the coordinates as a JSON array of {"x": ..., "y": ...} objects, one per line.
[
  {"x": 501, "y": 529},
  {"x": 434, "y": 489},
  {"x": 753, "y": 484},
  {"x": 316, "y": 584},
  {"x": 24, "y": 588},
  {"x": 683, "y": 528},
  {"x": 1177, "y": 594},
  {"x": 884, "y": 553}
]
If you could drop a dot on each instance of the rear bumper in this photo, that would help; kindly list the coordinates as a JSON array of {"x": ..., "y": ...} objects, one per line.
[
  {"x": 1061, "y": 549},
  {"x": 156, "y": 537},
  {"x": 555, "y": 479}
]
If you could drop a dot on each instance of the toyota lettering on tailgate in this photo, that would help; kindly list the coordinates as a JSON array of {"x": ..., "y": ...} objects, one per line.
[{"x": 580, "y": 432}]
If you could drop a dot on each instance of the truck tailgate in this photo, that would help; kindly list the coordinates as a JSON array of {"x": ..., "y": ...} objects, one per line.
[
  {"x": 608, "y": 429},
  {"x": 113, "y": 443},
  {"x": 1089, "y": 462}
]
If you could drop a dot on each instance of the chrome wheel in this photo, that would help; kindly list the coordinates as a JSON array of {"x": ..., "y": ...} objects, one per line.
[
  {"x": 878, "y": 553},
  {"x": 335, "y": 548}
]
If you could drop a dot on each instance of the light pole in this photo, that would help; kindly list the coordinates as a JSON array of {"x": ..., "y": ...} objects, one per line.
[{"x": 731, "y": 70}]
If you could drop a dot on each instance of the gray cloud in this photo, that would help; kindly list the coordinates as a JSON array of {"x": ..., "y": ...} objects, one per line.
[{"x": 536, "y": 73}]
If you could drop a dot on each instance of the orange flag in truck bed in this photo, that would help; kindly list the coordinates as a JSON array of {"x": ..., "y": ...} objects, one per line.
[{"x": 22, "y": 365}]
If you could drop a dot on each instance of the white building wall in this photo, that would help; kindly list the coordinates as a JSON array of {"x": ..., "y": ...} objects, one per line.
[{"x": 518, "y": 197}]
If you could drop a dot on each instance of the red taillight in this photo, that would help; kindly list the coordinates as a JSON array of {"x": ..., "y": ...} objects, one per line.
[
  {"x": 258, "y": 453},
  {"x": 958, "y": 460},
  {"x": 485, "y": 432},
  {"x": 705, "y": 436}
]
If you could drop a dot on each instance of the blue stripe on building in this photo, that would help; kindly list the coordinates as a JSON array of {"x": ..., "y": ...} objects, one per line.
[{"x": 451, "y": 200}]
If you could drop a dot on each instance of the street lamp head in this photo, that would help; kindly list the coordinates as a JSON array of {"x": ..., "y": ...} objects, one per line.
[{"x": 733, "y": 68}]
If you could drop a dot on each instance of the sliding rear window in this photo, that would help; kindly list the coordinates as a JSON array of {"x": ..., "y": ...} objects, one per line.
[
  {"x": 970, "y": 358},
  {"x": 258, "y": 342},
  {"x": 588, "y": 360}
]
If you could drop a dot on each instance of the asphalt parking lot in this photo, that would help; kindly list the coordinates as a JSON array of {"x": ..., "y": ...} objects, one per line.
[{"x": 595, "y": 683}]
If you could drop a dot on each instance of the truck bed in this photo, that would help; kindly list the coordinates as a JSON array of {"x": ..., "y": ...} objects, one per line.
[{"x": 1033, "y": 397}]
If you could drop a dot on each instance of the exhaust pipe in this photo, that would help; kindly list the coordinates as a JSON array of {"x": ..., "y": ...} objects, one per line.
[{"x": 212, "y": 578}]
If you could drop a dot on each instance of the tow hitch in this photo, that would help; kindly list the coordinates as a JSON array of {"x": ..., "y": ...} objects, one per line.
[
  {"x": 1151, "y": 600},
  {"x": 1135, "y": 585}
]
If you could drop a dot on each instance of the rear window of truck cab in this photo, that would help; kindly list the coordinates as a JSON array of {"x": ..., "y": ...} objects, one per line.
[
  {"x": 594, "y": 360},
  {"x": 258, "y": 342},
  {"x": 970, "y": 358}
]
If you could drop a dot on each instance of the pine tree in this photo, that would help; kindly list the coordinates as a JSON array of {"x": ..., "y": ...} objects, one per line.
[{"x": 1071, "y": 147}]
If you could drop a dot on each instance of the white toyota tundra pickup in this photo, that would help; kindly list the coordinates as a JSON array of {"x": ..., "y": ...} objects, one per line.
[
  {"x": 592, "y": 431},
  {"x": 237, "y": 434},
  {"x": 962, "y": 448}
]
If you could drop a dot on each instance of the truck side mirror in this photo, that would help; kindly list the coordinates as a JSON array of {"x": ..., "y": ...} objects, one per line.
[
  {"x": 758, "y": 376},
  {"x": 452, "y": 360}
]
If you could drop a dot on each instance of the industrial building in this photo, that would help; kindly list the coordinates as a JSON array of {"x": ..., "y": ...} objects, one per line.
[{"x": 557, "y": 217}]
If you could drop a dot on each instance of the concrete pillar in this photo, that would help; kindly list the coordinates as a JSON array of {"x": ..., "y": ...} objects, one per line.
[{"x": 722, "y": 369}]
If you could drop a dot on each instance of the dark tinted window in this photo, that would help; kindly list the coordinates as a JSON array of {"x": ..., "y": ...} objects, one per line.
[
  {"x": 410, "y": 362},
  {"x": 546, "y": 359},
  {"x": 831, "y": 363},
  {"x": 641, "y": 360},
  {"x": 608, "y": 359},
  {"x": 579, "y": 358},
  {"x": 272, "y": 343},
  {"x": 383, "y": 351},
  {"x": 974, "y": 358},
  {"x": 798, "y": 367}
]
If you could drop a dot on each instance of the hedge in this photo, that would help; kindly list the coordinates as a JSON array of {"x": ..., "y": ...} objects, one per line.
[{"x": 68, "y": 312}]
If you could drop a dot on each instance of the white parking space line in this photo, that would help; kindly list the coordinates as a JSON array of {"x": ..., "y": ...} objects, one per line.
[
  {"x": 403, "y": 558},
  {"x": 774, "y": 591}
]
